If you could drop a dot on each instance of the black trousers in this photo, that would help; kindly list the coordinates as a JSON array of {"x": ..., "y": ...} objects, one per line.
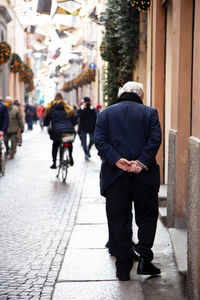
[
  {"x": 119, "y": 198},
  {"x": 56, "y": 144}
]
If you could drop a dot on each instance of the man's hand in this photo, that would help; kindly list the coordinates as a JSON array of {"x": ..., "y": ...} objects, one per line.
[
  {"x": 135, "y": 167},
  {"x": 123, "y": 164},
  {"x": 129, "y": 166}
]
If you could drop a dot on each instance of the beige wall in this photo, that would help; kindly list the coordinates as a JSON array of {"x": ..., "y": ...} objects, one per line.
[
  {"x": 149, "y": 55},
  {"x": 139, "y": 73},
  {"x": 181, "y": 94},
  {"x": 158, "y": 47},
  {"x": 196, "y": 74},
  {"x": 168, "y": 84},
  {"x": 195, "y": 281},
  {"x": 17, "y": 40}
]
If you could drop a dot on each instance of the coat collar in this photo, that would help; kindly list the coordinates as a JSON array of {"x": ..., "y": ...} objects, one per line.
[{"x": 130, "y": 97}]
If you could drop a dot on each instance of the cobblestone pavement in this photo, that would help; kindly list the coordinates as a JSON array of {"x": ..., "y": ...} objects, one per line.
[{"x": 36, "y": 217}]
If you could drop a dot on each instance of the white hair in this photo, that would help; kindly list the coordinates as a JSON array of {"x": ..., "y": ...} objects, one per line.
[
  {"x": 132, "y": 87},
  {"x": 8, "y": 98}
]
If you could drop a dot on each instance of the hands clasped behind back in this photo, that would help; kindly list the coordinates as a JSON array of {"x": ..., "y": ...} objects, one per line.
[{"x": 129, "y": 166}]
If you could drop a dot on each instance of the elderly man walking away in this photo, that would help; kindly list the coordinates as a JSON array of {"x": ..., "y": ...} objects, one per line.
[
  {"x": 128, "y": 136},
  {"x": 15, "y": 122}
]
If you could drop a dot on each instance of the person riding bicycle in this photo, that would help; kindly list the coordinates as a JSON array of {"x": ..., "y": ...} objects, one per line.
[{"x": 60, "y": 115}]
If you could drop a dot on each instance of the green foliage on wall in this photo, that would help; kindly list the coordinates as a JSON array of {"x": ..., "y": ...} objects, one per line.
[{"x": 120, "y": 45}]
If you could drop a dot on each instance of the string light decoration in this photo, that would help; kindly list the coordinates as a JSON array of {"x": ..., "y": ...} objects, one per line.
[
  {"x": 15, "y": 63},
  {"x": 5, "y": 51},
  {"x": 141, "y": 4}
]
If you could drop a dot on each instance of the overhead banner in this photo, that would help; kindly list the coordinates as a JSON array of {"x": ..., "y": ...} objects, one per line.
[
  {"x": 61, "y": 11},
  {"x": 61, "y": 1},
  {"x": 44, "y": 6}
]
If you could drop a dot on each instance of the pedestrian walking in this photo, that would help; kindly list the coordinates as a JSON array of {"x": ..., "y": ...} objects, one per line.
[
  {"x": 15, "y": 122},
  {"x": 87, "y": 118},
  {"x": 29, "y": 116},
  {"x": 19, "y": 134},
  {"x": 35, "y": 117},
  {"x": 128, "y": 136},
  {"x": 4, "y": 118},
  {"x": 41, "y": 114},
  {"x": 61, "y": 119},
  {"x": 98, "y": 107}
]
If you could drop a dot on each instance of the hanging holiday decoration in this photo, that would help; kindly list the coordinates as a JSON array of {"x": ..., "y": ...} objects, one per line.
[
  {"x": 15, "y": 63},
  {"x": 141, "y": 4},
  {"x": 5, "y": 51},
  {"x": 86, "y": 77},
  {"x": 44, "y": 6},
  {"x": 30, "y": 86},
  {"x": 25, "y": 73}
]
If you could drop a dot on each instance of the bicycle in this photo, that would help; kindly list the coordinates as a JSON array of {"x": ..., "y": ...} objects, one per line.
[
  {"x": 64, "y": 159},
  {"x": 2, "y": 155}
]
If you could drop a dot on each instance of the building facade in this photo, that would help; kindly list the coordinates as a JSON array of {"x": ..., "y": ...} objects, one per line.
[
  {"x": 172, "y": 86},
  {"x": 12, "y": 32}
]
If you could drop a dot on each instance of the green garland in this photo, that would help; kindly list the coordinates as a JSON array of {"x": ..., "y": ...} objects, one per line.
[
  {"x": 15, "y": 63},
  {"x": 25, "y": 73},
  {"x": 5, "y": 51},
  {"x": 120, "y": 45}
]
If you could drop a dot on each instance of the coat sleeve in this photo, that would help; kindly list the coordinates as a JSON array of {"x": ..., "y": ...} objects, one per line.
[
  {"x": 152, "y": 144},
  {"x": 102, "y": 143},
  {"x": 6, "y": 119},
  {"x": 47, "y": 119},
  {"x": 20, "y": 121}
]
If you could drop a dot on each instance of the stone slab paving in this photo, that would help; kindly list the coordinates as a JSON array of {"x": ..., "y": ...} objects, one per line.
[
  {"x": 36, "y": 218},
  {"x": 179, "y": 242},
  {"x": 103, "y": 290},
  {"x": 88, "y": 271}
]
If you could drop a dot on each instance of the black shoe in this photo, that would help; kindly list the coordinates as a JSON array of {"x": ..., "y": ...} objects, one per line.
[
  {"x": 53, "y": 166},
  {"x": 123, "y": 275},
  {"x": 107, "y": 245},
  {"x": 71, "y": 161},
  {"x": 145, "y": 267}
]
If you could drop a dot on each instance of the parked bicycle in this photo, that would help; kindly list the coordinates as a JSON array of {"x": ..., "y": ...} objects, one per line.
[
  {"x": 2, "y": 155},
  {"x": 64, "y": 159}
]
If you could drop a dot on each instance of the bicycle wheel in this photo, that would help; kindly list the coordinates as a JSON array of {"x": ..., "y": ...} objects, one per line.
[
  {"x": 65, "y": 164},
  {"x": 60, "y": 160}
]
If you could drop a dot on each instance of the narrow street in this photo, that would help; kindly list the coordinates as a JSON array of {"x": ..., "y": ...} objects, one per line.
[
  {"x": 52, "y": 234},
  {"x": 34, "y": 218}
]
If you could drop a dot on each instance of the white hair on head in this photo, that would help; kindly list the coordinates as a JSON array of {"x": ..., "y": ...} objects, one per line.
[
  {"x": 132, "y": 87},
  {"x": 8, "y": 98}
]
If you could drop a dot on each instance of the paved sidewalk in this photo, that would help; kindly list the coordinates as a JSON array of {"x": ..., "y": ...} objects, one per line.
[{"x": 88, "y": 271}]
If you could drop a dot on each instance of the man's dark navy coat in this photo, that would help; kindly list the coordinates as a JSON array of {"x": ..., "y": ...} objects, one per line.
[{"x": 128, "y": 130}]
